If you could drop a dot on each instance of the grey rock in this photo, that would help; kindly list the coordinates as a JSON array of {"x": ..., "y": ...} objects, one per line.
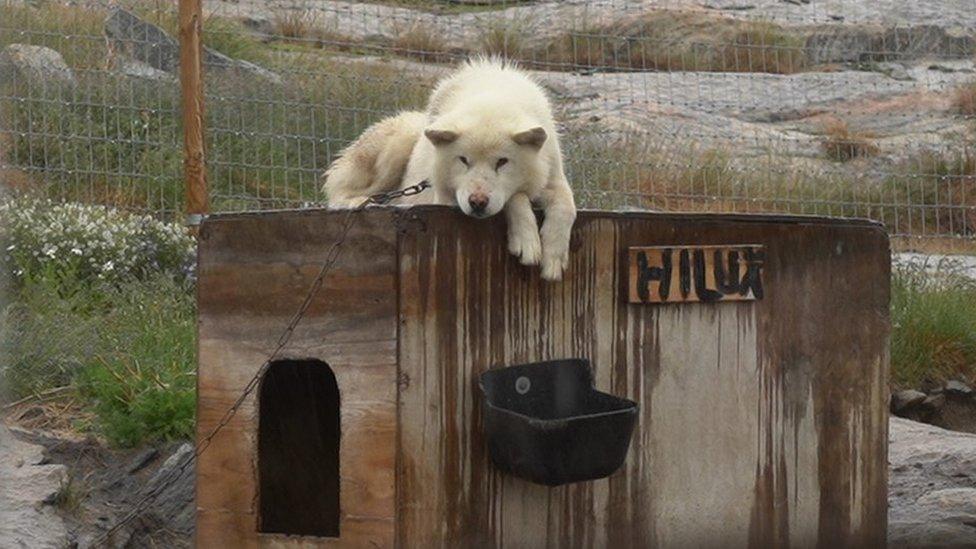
[
  {"x": 153, "y": 46},
  {"x": 166, "y": 518},
  {"x": 932, "y": 497},
  {"x": 137, "y": 69},
  {"x": 906, "y": 399},
  {"x": 22, "y": 61},
  {"x": 261, "y": 26},
  {"x": 142, "y": 41},
  {"x": 861, "y": 43},
  {"x": 25, "y": 483},
  {"x": 933, "y": 403},
  {"x": 143, "y": 459},
  {"x": 955, "y": 387}
]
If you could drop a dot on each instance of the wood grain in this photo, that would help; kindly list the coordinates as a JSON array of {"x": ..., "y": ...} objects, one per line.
[
  {"x": 762, "y": 423},
  {"x": 254, "y": 273},
  {"x": 191, "y": 86},
  {"x": 730, "y": 440}
]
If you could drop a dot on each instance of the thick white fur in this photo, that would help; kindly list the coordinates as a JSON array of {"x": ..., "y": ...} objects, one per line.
[
  {"x": 475, "y": 116},
  {"x": 376, "y": 161}
]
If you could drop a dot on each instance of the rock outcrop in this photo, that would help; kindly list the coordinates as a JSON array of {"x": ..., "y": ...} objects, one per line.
[
  {"x": 931, "y": 486},
  {"x": 23, "y": 62},
  {"x": 26, "y": 483},
  {"x": 143, "y": 41}
]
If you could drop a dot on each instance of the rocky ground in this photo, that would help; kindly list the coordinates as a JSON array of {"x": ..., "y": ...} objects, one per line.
[
  {"x": 887, "y": 69},
  {"x": 931, "y": 486},
  {"x": 61, "y": 492},
  {"x": 903, "y": 103},
  {"x": 29, "y": 481},
  {"x": 544, "y": 19},
  {"x": 932, "y": 490}
]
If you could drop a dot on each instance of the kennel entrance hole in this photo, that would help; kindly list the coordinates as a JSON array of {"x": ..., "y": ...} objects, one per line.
[{"x": 298, "y": 449}]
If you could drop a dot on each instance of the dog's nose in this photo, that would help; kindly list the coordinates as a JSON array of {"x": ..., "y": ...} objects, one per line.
[{"x": 478, "y": 202}]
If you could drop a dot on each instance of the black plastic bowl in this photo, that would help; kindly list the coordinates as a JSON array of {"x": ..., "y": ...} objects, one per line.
[{"x": 545, "y": 422}]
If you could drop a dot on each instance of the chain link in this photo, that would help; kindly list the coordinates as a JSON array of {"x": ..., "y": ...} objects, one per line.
[{"x": 331, "y": 257}]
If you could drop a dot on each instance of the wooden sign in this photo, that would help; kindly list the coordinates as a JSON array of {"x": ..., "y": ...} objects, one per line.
[{"x": 679, "y": 274}]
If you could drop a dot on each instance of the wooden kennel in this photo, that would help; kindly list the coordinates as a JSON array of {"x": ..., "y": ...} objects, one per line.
[{"x": 762, "y": 418}]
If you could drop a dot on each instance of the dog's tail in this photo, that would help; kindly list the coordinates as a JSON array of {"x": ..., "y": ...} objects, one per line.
[{"x": 375, "y": 162}]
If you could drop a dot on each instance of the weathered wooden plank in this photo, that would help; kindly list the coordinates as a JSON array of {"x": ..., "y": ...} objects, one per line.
[
  {"x": 722, "y": 428},
  {"x": 759, "y": 425},
  {"x": 254, "y": 274}
]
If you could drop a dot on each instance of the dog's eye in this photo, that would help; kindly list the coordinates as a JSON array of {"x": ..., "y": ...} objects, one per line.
[
  {"x": 463, "y": 159},
  {"x": 501, "y": 162}
]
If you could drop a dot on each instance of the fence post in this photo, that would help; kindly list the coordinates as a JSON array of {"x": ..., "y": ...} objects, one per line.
[{"x": 191, "y": 84}]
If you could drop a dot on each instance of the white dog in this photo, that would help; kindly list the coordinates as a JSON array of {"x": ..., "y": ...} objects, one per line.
[{"x": 486, "y": 143}]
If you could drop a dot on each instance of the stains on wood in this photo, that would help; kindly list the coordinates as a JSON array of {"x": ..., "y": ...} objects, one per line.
[
  {"x": 254, "y": 273},
  {"x": 762, "y": 421}
]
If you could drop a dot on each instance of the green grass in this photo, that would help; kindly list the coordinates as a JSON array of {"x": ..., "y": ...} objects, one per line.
[
  {"x": 74, "y": 32},
  {"x": 129, "y": 350},
  {"x": 142, "y": 383},
  {"x": 933, "y": 334},
  {"x": 925, "y": 195},
  {"x": 77, "y": 33},
  {"x": 119, "y": 142}
]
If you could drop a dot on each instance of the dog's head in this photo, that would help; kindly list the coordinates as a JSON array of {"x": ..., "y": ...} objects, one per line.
[{"x": 484, "y": 163}]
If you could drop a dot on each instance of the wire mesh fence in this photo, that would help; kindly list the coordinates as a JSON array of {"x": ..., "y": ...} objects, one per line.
[{"x": 836, "y": 107}]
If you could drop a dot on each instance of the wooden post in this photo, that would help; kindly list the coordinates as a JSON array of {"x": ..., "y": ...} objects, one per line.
[{"x": 191, "y": 83}]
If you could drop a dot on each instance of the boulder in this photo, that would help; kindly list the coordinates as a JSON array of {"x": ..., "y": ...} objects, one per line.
[
  {"x": 26, "y": 482},
  {"x": 931, "y": 486},
  {"x": 143, "y": 71},
  {"x": 150, "y": 44},
  {"x": 23, "y": 61},
  {"x": 958, "y": 388},
  {"x": 934, "y": 403},
  {"x": 905, "y": 400}
]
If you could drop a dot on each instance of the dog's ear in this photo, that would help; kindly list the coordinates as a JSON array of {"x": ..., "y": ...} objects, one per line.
[
  {"x": 534, "y": 137},
  {"x": 441, "y": 137}
]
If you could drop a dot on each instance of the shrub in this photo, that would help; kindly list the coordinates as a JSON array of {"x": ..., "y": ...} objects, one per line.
[
  {"x": 667, "y": 40},
  {"x": 129, "y": 348},
  {"x": 293, "y": 24},
  {"x": 504, "y": 37},
  {"x": 938, "y": 191},
  {"x": 933, "y": 334},
  {"x": 87, "y": 243},
  {"x": 419, "y": 42},
  {"x": 142, "y": 384},
  {"x": 764, "y": 48},
  {"x": 964, "y": 100},
  {"x": 840, "y": 143},
  {"x": 49, "y": 331}
]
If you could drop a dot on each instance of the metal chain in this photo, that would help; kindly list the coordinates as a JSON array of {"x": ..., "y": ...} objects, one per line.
[{"x": 331, "y": 257}]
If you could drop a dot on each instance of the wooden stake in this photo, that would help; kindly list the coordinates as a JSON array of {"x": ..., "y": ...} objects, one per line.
[{"x": 191, "y": 83}]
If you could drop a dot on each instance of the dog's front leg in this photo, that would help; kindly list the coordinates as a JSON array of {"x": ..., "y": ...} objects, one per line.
[
  {"x": 523, "y": 231},
  {"x": 560, "y": 210}
]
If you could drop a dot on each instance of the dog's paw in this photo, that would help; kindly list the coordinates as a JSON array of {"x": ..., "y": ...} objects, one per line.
[
  {"x": 553, "y": 265},
  {"x": 527, "y": 246}
]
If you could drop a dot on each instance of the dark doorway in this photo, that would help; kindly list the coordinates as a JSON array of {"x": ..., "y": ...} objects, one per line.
[{"x": 298, "y": 449}]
